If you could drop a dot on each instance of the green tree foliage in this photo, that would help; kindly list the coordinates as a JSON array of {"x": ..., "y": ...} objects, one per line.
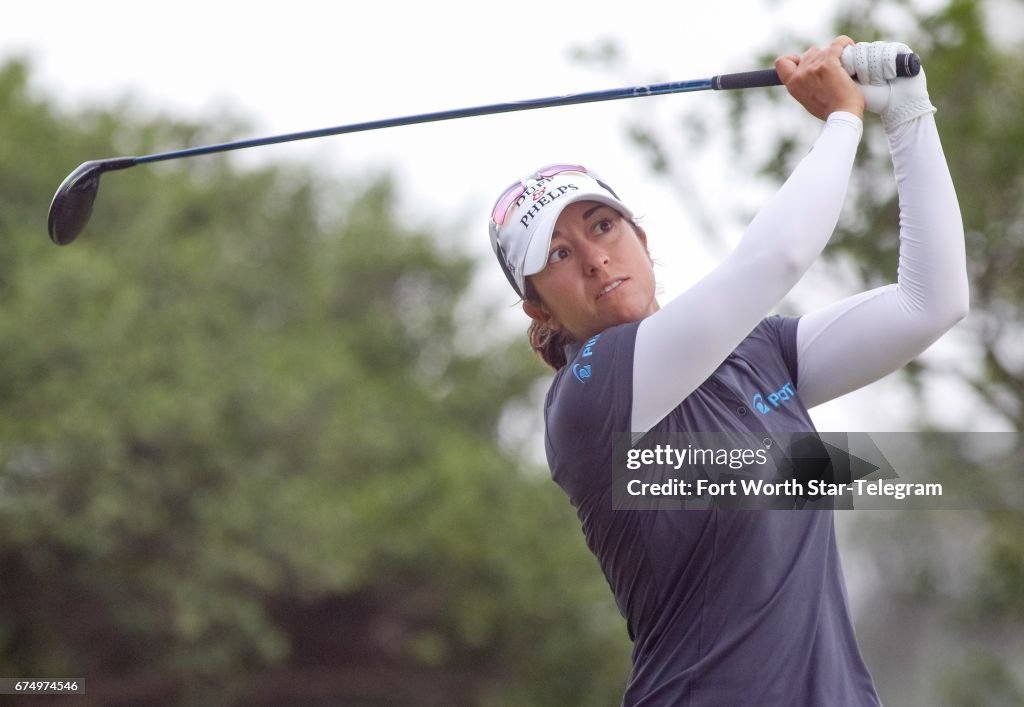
[
  {"x": 941, "y": 606},
  {"x": 246, "y": 453}
]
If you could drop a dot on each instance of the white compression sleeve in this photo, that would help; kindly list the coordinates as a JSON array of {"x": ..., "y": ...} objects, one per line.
[
  {"x": 858, "y": 340},
  {"x": 679, "y": 346}
]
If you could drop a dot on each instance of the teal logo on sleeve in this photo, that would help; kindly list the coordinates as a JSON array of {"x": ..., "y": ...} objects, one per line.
[{"x": 583, "y": 371}]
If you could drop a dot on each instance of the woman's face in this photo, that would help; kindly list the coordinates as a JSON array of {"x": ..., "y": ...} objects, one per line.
[{"x": 598, "y": 273}]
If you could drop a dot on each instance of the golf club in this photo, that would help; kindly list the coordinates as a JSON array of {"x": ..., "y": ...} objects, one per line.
[{"x": 72, "y": 203}]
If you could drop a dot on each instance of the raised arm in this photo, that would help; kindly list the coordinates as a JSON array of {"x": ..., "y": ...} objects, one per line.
[
  {"x": 678, "y": 347},
  {"x": 858, "y": 340}
]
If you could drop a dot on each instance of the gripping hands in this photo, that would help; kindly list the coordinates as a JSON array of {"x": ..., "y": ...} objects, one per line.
[{"x": 873, "y": 65}]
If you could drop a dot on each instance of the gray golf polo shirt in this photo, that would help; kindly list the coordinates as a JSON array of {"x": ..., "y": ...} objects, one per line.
[{"x": 724, "y": 607}]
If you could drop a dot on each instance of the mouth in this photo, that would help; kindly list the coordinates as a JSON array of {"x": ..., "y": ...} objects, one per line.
[{"x": 611, "y": 287}]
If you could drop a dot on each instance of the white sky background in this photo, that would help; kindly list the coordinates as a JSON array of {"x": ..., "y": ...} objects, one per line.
[{"x": 300, "y": 65}]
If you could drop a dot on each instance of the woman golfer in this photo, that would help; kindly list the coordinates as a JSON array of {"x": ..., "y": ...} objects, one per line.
[{"x": 731, "y": 607}]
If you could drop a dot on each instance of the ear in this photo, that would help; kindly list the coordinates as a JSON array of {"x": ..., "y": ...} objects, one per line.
[
  {"x": 539, "y": 313},
  {"x": 642, "y": 235}
]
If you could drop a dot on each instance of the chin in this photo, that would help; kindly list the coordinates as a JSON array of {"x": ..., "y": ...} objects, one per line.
[
  {"x": 625, "y": 316},
  {"x": 636, "y": 310}
]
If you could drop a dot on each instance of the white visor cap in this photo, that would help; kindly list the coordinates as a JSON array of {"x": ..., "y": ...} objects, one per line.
[{"x": 522, "y": 242}]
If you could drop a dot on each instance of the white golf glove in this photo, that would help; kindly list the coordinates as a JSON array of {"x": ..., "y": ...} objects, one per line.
[{"x": 896, "y": 100}]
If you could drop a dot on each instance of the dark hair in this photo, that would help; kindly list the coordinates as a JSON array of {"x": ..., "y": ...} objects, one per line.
[{"x": 549, "y": 343}]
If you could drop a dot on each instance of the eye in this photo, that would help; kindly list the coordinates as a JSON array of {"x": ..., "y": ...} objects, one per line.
[
  {"x": 558, "y": 254},
  {"x": 603, "y": 226}
]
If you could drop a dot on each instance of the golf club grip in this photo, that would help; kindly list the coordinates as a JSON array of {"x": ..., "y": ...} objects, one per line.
[{"x": 906, "y": 65}]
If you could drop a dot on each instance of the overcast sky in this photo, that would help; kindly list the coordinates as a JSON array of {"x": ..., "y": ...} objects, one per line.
[
  {"x": 302, "y": 64},
  {"x": 299, "y": 65}
]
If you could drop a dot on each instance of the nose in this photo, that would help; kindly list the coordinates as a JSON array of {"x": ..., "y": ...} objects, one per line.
[{"x": 595, "y": 258}]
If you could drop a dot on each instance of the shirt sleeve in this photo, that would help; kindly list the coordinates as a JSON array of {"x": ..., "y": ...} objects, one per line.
[
  {"x": 679, "y": 346},
  {"x": 587, "y": 411},
  {"x": 858, "y": 340}
]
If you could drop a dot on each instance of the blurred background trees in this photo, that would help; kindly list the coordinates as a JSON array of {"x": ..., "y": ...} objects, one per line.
[
  {"x": 250, "y": 445},
  {"x": 249, "y": 451}
]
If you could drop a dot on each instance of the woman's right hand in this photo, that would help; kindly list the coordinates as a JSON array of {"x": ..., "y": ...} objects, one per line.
[{"x": 818, "y": 81}]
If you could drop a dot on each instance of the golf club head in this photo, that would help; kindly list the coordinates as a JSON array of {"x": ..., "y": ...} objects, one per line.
[{"x": 72, "y": 203}]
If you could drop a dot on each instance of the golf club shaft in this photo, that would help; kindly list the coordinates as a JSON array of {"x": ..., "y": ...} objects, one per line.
[
  {"x": 569, "y": 99},
  {"x": 908, "y": 65}
]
